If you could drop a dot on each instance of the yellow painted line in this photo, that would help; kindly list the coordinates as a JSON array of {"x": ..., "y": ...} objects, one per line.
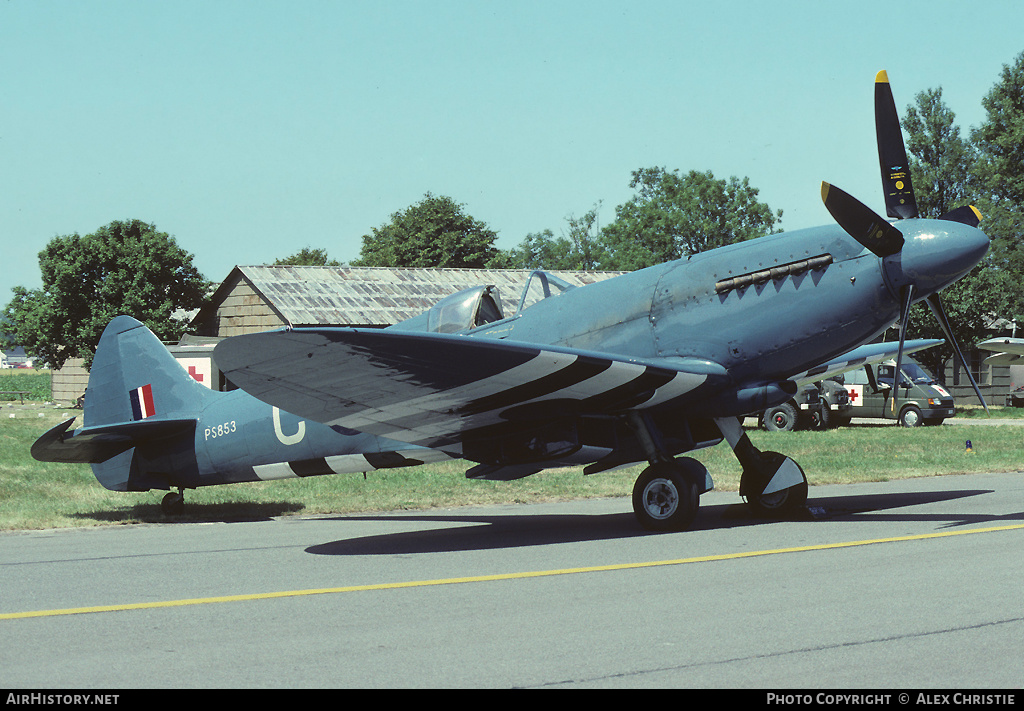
[{"x": 490, "y": 578}]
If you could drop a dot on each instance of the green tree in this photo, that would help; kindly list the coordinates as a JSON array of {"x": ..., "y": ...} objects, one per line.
[
  {"x": 435, "y": 232},
  {"x": 1000, "y": 172},
  {"x": 948, "y": 172},
  {"x": 941, "y": 162},
  {"x": 538, "y": 250},
  {"x": 940, "y": 167},
  {"x": 308, "y": 257},
  {"x": 123, "y": 268},
  {"x": 587, "y": 250},
  {"x": 675, "y": 215},
  {"x": 970, "y": 304},
  {"x": 1001, "y": 137},
  {"x": 579, "y": 248}
]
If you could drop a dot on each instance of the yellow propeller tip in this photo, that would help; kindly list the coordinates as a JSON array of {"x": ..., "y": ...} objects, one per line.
[
  {"x": 977, "y": 212},
  {"x": 882, "y": 77},
  {"x": 824, "y": 190}
]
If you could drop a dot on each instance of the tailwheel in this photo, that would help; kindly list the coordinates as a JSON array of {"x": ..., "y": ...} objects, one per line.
[{"x": 666, "y": 494}]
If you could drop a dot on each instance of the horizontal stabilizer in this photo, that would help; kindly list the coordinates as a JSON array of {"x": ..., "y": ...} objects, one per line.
[{"x": 92, "y": 445}]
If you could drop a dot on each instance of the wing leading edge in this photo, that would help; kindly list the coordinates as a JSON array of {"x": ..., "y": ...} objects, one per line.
[
  {"x": 438, "y": 390},
  {"x": 862, "y": 355}
]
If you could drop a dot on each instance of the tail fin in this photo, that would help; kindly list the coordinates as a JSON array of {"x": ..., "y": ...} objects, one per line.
[
  {"x": 134, "y": 378},
  {"x": 138, "y": 396}
]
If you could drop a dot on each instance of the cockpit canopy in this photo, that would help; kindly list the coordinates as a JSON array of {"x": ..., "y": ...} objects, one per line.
[
  {"x": 479, "y": 305},
  {"x": 539, "y": 286},
  {"x": 460, "y": 311},
  {"x": 465, "y": 309}
]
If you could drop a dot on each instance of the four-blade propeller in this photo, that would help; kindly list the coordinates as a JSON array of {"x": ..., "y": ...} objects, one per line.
[{"x": 881, "y": 237}]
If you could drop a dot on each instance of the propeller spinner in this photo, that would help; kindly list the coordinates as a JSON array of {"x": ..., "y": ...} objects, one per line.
[{"x": 882, "y": 238}]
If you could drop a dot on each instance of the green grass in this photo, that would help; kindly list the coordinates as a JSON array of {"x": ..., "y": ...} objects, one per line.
[
  {"x": 37, "y": 383},
  {"x": 869, "y": 452},
  {"x": 977, "y": 411},
  {"x": 36, "y": 495}
]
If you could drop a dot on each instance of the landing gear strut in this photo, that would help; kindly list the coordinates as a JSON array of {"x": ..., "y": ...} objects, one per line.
[
  {"x": 666, "y": 495},
  {"x": 772, "y": 483}
]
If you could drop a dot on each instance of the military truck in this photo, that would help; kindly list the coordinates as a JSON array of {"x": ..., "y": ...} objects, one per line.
[
  {"x": 920, "y": 401},
  {"x": 835, "y": 403},
  {"x": 816, "y": 406}
]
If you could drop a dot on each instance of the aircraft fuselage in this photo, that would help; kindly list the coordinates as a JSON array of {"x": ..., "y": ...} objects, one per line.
[{"x": 238, "y": 438}]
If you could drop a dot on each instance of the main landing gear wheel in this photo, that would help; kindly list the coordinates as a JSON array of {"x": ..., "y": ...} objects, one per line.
[
  {"x": 665, "y": 495},
  {"x": 776, "y": 504},
  {"x": 772, "y": 483},
  {"x": 173, "y": 504}
]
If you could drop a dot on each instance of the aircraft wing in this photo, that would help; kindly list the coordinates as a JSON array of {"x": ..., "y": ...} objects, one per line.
[
  {"x": 437, "y": 390},
  {"x": 1008, "y": 350},
  {"x": 860, "y": 356}
]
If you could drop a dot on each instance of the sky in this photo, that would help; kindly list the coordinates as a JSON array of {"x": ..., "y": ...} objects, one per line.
[{"x": 248, "y": 130}]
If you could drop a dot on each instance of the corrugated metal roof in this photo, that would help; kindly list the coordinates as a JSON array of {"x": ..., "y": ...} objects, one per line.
[{"x": 308, "y": 296}]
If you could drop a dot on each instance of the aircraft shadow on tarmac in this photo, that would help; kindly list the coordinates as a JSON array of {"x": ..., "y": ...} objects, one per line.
[
  {"x": 515, "y": 530},
  {"x": 231, "y": 512}
]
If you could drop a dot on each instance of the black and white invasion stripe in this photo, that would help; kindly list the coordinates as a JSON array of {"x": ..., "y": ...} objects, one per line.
[
  {"x": 597, "y": 385},
  {"x": 348, "y": 464}
]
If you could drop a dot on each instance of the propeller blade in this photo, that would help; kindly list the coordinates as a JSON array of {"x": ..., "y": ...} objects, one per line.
[
  {"x": 940, "y": 314},
  {"x": 861, "y": 222},
  {"x": 908, "y": 299},
  {"x": 892, "y": 155},
  {"x": 968, "y": 215}
]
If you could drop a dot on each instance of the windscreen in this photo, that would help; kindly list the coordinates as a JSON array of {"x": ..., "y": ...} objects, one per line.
[{"x": 540, "y": 286}]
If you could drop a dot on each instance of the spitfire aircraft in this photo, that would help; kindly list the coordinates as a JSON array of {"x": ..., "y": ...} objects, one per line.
[
  {"x": 646, "y": 381},
  {"x": 150, "y": 425},
  {"x": 641, "y": 367}
]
